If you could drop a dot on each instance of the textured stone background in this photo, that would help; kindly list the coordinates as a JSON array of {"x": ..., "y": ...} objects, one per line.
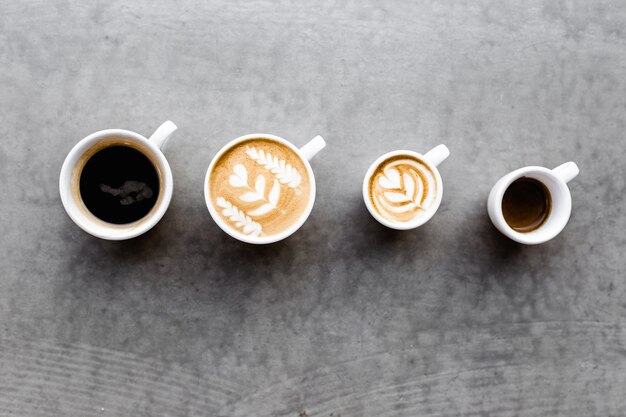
[{"x": 345, "y": 318}]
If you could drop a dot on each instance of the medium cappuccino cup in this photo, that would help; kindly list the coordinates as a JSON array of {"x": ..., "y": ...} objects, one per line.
[
  {"x": 532, "y": 205},
  {"x": 116, "y": 184},
  {"x": 260, "y": 188},
  {"x": 403, "y": 189}
]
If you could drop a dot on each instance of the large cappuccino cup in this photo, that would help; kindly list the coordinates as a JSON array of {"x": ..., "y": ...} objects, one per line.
[
  {"x": 403, "y": 189},
  {"x": 260, "y": 188},
  {"x": 102, "y": 186}
]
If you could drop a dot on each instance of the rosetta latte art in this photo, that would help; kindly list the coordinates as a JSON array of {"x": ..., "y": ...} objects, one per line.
[
  {"x": 402, "y": 188},
  {"x": 260, "y": 187}
]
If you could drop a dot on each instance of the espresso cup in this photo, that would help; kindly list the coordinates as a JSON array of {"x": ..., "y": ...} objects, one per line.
[
  {"x": 541, "y": 195},
  {"x": 260, "y": 188},
  {"x": 109, "y": 154},
  {"x": 403, "y": 189}
]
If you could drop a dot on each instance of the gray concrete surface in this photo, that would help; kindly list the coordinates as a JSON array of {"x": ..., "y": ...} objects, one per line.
[{"x": 345, "y": 318}]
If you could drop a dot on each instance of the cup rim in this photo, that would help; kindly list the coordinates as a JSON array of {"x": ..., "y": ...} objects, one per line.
[
  {"x": 497, "y": 194},
  {"x": 97, "y": 227},
  {"x": 250, "y": 239},
  {"x": 413, "y": 224}
]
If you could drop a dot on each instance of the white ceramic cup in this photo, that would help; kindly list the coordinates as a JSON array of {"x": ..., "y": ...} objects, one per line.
[
  {"x": 74, "y": 162},
  {"x": 432, "y": 158},
  {"x": 306, "y": 153},
  {"x": 556, "y": 181}
]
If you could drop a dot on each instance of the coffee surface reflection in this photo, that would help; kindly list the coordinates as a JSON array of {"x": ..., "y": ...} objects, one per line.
[{"x": 119, "y": 184}]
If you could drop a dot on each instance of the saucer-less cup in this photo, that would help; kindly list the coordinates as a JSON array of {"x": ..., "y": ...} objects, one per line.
[
  {"x": 555, "y": 181},
  {"x": 305, "y": 153},
  {"x": 70, "y": 178},
  {"x": 432, "y": 159}
]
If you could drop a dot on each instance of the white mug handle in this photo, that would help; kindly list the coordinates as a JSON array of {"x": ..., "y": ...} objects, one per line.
[
  {"x": 163, "y": 133},
  {"x": 313, "y": 147},
  {"x": 438, "y": 154},
  {"x": 567, "y": 171}
]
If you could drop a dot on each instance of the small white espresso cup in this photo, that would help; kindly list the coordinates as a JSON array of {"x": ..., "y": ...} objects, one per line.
[
  {"x": 555, "y": 181},
  {"x": 69, "y": 180},
  {"x": 432, "y": 159},
  {"x": 306, "y": 153}
]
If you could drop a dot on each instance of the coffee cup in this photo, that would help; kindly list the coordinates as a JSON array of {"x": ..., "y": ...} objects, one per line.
[
  {"x": 116, "y": 184},
  {"x": 260, "y": 188},
  {"x": 403, "y": 189},
  {"x": 532, "y": 205}
]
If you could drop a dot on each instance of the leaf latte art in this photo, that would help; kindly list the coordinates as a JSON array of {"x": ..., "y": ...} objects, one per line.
[
  {"x": 402, "y": 188},
  {"x": 260, "y": 187}
]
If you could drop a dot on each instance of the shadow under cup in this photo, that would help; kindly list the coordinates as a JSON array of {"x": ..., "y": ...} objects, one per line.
[
  {"x": 70, "y": 180},
  {"x": 557, "y": 218}
]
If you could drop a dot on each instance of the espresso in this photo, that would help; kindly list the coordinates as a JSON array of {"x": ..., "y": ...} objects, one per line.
[
  {"x": 526, "y": 204},
  {"x": 119, "y": 184},
  {"x": 402, "y": 188},
  {"x": 260, "y": 187}
]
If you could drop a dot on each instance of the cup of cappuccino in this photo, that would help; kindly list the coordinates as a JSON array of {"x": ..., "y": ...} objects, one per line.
[
  {"x": 260, "y": 188},
  {"x": 116, "y": 184},
  {"x": 403, "y": 189},
  {"x": 532, "y": 205}
]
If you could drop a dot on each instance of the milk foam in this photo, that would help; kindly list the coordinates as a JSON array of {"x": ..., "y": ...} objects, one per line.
[{"x": 402, "y": 188}]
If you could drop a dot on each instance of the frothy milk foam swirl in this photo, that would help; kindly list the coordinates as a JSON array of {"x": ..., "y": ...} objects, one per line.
[{"x": 402, "y": 188}]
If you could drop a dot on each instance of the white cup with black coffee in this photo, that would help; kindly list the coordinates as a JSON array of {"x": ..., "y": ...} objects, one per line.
[
  {"x": 260, "y": 188},
  {"x": 116, "y": 184},
  {"x": 532, "y": 205},
  {"x": 403, "y": 189}
]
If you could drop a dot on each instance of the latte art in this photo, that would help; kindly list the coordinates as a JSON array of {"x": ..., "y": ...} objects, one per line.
[
  {"x": 260, "y": 187},
  {"x": 402, "y": 188}
]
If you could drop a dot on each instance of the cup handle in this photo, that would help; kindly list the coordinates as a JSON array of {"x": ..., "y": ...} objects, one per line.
[
  {"x": 313, "y": 147},
  {"x": 438, "y": 154},
  {"x": 567, "y": 171},
  {"x": 163, "y": 133}
]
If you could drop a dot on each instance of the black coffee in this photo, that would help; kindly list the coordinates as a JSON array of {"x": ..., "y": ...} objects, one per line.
[
  {"x": 119, "y": 184},
  {"x": 526, "y": 204}
]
